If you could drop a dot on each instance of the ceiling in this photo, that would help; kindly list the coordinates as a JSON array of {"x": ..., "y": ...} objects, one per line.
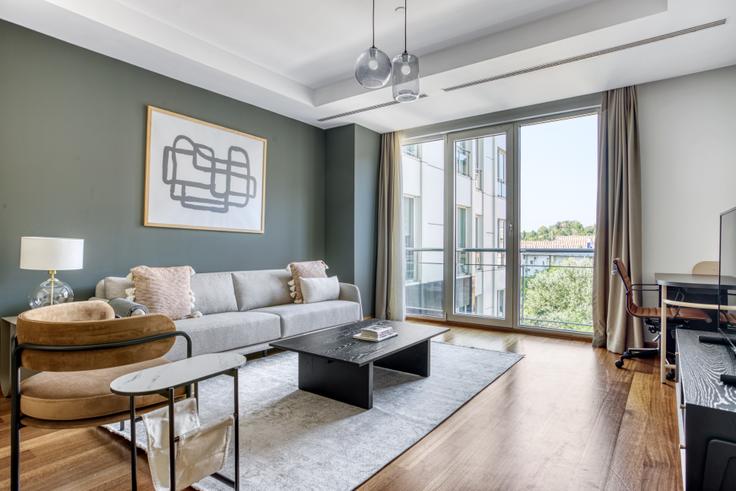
[{"x": 296, "y": 57}]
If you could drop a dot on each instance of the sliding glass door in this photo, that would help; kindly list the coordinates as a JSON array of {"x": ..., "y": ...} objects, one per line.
[
  {"x": 478, "y": 247},
  {"x": 558, "y": 185},
  {"x": 499, "y": 223},
  {"x": 423, "y": 181}
]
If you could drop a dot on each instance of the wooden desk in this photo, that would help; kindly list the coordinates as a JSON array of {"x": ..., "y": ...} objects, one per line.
[{"x": 700, "y": 282}]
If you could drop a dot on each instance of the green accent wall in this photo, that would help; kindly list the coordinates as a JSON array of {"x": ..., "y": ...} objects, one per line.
[
  {"x": 351, "y": 182},
  {"x": 72, "y": 150}
]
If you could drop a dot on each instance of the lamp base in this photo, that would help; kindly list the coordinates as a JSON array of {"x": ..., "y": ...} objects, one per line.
[{"x": 42, "y": 295}]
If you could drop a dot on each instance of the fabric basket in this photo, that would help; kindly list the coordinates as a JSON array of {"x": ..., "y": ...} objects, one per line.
[{"x": 200, "y": 451}]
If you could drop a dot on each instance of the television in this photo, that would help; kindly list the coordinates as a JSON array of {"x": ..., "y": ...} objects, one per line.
[
  {"x": 727, "y": 271},
  {"x": 726, "y": 314}
]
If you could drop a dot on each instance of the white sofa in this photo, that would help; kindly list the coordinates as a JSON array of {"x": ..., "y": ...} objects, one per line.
[{"x": 244, "y": 311}]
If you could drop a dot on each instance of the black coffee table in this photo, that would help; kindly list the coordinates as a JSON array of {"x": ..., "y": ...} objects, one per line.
[{"x": 334, "y": 365}]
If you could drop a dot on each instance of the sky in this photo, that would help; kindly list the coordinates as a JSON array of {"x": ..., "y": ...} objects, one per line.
[{"x": 559, "y": 172}]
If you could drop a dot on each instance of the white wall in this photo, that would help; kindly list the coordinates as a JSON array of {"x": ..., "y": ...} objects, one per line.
[{"x": 688, "y": 150}]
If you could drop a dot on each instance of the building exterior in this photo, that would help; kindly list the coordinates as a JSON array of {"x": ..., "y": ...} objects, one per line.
[{"x": 480, "y": 199}]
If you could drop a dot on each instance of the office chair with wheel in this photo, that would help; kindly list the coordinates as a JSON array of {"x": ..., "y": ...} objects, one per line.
[{"x": 651, "y": 316}]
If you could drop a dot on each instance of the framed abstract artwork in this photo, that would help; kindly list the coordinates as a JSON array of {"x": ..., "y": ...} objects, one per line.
[{"x": 203, "y": 176}]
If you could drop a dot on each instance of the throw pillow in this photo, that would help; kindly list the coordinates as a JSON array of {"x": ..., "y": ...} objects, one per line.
[
  {"x": 320, "y": 289},
  {"x": 305, "y": 269},
  {"x": 164, "y": 290}
]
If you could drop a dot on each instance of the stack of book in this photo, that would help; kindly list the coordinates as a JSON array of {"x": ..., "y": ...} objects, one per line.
[{"x": 376, "y": 332}]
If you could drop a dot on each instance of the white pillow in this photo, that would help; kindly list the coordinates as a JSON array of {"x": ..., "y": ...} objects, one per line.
[{"x": 320, "y": 289}]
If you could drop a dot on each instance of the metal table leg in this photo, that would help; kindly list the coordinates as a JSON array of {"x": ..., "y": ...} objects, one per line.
[
  {"x": 172, "y": 442},
  {"x": 236, "y": 429},
  {"x": 133, "y": 448}
]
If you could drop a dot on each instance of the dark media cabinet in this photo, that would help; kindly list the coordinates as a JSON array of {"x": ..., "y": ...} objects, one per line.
[{"x": 706, "y": 413}]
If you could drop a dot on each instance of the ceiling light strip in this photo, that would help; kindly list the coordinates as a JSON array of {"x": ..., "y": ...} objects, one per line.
[
  {"x": 363, "y": 109},
  {"x": 592, "y": 54}
]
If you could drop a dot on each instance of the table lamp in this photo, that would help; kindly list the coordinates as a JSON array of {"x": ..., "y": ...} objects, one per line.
[{"x": 51, "y": 254}]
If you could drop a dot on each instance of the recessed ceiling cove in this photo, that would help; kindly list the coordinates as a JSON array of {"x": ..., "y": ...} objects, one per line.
[{"x": 297, "y": 58}]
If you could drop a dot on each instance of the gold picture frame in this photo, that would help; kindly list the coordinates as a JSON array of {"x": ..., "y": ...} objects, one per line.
[{"x": 196, "y": 208}]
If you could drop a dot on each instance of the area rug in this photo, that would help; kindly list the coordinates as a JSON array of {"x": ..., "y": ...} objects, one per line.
[{"x": 291, "y": 439}]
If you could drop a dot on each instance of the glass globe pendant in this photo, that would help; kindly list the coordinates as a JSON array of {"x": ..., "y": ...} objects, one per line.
[
  {"x": 405, "y": 73},
  {"x": 373, "y": 66}
]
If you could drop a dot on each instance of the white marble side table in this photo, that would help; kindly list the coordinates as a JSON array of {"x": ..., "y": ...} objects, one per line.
[{"x": 164, "y": 380}]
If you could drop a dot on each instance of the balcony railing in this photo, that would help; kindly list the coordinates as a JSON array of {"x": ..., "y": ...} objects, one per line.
[{"x": 555, "y": 288}]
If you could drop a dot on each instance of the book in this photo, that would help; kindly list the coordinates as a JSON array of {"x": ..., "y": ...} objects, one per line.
[{"x": 376, "y": 332}]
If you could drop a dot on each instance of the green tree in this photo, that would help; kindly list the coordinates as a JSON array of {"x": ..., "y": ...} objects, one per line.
[
  {"x": 559, "y": 229},
  {"x": 562, "y": 293}
]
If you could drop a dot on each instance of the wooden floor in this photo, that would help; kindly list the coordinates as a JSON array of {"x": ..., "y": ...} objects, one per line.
[{"x": 563, "y": 418}]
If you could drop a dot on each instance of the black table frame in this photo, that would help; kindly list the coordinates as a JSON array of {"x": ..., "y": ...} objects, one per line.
[
  {"x": 170, "y": 395},
  {"x": 353, "y": 383}
]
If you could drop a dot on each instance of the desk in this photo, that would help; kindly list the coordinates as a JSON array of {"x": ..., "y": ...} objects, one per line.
[{"x": 700, "y": 282}]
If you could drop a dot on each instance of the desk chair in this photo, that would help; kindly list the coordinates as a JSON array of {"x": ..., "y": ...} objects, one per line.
[
  {"x": 650, "y": 315},
  {"x": 78, "y": 348},
  {"x": 706, "y": 267}
]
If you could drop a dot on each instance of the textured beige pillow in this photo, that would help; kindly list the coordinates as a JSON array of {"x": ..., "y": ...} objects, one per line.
[
  {"x": 164, "y": 290},
  {"x": 306, "y": 269}
]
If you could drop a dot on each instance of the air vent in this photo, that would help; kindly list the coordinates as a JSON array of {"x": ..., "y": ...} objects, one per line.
[
  {"x": 592, "y": 54},
  {"x": 364, "y": 109}
]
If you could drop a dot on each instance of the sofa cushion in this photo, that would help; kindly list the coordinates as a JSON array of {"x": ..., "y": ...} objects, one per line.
[
  {"x": 164, "y": 290},
  {"x": 226, "y": 331},
  {"x": 263, "y": 288},
  {"x": 115, "y": 286},
  {"x": 214, "y": 293},
  {"x": 301, "y": 318},
  {"x": 316, "y": 290}
]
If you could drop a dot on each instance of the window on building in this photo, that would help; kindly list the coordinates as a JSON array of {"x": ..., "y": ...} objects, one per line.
[
  {"x": 478, "y": 241},
  {"x": 411, "y": 150},
  {"x": 462, "y": 238},
  {"x": 410, "y": 221},
  {"x": 501, "y": 172},
  {"x": 501, "y": 234},
  {"x": 464, "y": 157},
  {"x": 501, "y": 302}
]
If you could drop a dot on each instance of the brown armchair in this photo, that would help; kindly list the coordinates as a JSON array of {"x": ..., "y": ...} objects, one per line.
[{"x": 79, "y": 348}]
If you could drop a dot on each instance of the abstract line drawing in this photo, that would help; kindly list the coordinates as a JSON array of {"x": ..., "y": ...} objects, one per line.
[
  {"x": 203, "y": 176},
  {"x": 199, "y": 180}
]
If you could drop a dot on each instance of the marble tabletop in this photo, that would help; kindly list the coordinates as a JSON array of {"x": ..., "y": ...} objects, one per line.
[{"x": 176, "y": 374}]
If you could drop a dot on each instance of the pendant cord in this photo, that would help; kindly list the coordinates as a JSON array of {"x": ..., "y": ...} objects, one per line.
[
  {"x": 405, "y": 27},
  {"x": 373, "y": 25}
]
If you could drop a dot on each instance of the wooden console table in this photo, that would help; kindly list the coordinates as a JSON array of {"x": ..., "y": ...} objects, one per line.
[{"x": 706, "y": 413}]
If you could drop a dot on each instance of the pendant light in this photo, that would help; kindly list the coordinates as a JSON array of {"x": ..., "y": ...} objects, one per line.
[
  {"x": 405, "y": 73},
  {"x": 373, "y": 66}
]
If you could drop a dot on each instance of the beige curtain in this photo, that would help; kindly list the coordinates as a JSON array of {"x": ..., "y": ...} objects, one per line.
[
  {"x": 618, "y": 224},
  {"x": 390, "y": 250}
]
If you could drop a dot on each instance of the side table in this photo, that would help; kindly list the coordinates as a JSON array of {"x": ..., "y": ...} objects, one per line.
[
  {"x": 7, "y": 332},
  {"x": 164, "y": 380}
]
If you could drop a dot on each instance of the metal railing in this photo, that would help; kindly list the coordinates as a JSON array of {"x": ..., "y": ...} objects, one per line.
[
  {"x": 555, "y": 285},
  {"x": 557, "y": 288}
]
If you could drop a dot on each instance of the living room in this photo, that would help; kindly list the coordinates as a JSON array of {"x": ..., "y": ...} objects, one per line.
[{"x": 375, "y": 244}]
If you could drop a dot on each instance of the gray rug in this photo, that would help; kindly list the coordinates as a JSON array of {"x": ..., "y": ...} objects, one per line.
[{"x": 296, "y": 440}]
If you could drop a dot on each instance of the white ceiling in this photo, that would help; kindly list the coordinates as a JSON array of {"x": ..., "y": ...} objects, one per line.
[{"x": 296, "y": 57}]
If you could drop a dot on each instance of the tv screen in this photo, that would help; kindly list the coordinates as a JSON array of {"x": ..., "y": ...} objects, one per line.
[{"x": 727, "y": 269}]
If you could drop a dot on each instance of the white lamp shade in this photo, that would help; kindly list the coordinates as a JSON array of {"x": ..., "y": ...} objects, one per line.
[{"x": 51, "y": 253}]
